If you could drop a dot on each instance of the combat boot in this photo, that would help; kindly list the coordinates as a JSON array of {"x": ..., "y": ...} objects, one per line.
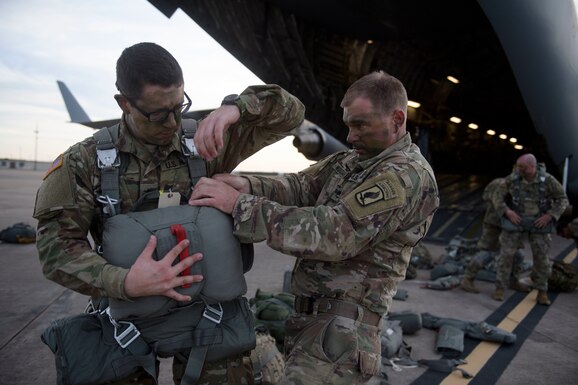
[
  {"x": 542, "y": 298},
  {"x": 516, "y": 285},
  {"x": 498, "y": 295},
  {"x": 469, "y": 286}
]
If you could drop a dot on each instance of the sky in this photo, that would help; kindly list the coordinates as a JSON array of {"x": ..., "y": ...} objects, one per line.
[{"x": 78, "y": 42}]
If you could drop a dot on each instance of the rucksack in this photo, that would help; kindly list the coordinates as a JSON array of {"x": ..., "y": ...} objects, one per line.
[
  {"x": 18, "y": 233},
  {"x": 564, "y": 277}
]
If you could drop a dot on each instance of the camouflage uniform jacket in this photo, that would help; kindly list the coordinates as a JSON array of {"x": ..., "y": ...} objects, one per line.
[
  {"x": 352, "y": 224},
  {"x": 66, "y": 205},
  {"x": 491, "y": 217},
  {"x": 529, "y": 196}
]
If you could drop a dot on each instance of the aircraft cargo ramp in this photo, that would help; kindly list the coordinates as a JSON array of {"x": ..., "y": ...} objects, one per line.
[{"x": 545, "y": 352}]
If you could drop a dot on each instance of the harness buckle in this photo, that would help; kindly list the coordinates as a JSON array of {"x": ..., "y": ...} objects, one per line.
[
  {"x": 90, "y": 308},
  {"x": 127, "y": 336},
  {"x": 107, "y": 158},
  {"x": 109, "y": 204},
  {"x": 188, "y": 147},
  {"x": 213, "y": 314}
]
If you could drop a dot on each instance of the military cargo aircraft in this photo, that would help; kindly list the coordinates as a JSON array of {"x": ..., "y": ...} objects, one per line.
[{"x": 490, "y": 80}]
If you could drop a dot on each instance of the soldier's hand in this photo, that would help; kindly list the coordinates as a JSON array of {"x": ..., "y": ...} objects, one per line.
[
  {"x": 238, "y": 182},
  {"x": 209, "y": 136},
  {"x": 513, "y": 216},
  {"x": 149, "y": 277},
  {"x": 543, "y": 221},
  {"x": 214, "y": 193}
]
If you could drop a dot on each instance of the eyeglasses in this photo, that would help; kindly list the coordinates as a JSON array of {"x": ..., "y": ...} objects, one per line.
[{"x": 163, "y": 114}]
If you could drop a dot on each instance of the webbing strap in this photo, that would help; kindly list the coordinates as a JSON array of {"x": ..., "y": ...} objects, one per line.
[
  {"x": 206, "y": 334},
  {"x": 197, "y": 166},
  {"x": 108, "y": 161}
]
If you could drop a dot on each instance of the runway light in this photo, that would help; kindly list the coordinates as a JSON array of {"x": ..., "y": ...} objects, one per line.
[
  {"x": 455, "y": 119},
  {"x": 473, "y": 126},
  {"x": 413, "y": 104},
  {"x": 452, "y": 79},
  {"x": 491, "y": 132},
  {"x": 519, "y": 147},
  {"x": 513, "y": 140},
  {"x": 503, "y": 136}
]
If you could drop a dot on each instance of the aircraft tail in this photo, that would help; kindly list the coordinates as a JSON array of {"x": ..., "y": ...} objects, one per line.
[{"x": 77, "y": 114}]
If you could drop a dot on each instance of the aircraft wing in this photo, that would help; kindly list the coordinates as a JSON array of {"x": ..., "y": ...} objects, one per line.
[{"x": 310, "y": 140}]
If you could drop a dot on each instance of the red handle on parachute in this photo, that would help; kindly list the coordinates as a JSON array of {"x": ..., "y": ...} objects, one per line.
[{"x": 180, "y": 233}]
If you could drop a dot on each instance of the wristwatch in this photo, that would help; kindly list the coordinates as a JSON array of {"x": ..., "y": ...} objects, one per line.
[{"x": 233, "y": 100}]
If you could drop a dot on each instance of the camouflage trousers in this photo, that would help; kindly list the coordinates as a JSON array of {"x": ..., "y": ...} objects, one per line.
[
  {"x": 540, "y": 246},
  {"x": 326, "y": 349},
  {"x": 490, "y": 238},
  {"x": 232, "y": 371}
]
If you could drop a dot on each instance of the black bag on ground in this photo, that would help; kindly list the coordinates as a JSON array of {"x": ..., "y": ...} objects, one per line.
[{"x": 18, "y": 233}]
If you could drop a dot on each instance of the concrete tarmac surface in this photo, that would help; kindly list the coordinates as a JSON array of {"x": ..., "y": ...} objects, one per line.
[{"x": 546, "y": 351}]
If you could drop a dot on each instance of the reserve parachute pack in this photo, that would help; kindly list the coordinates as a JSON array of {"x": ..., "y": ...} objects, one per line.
[
  {"x": 527, "y": 223},
  {"x": 216, "y": 324}
]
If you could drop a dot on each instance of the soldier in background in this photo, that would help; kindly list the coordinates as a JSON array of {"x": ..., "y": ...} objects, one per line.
[
  {"x": 351, "y": 220},
  {"x": 529, "y": 200},
  {"x": 489, "y": 245}
]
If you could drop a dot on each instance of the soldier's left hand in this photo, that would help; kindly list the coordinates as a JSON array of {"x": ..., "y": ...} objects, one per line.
[
  {"x": 214, "y": 193},
  {"x": 209, "y": 136},
  {"x": 542, "y": 221}
]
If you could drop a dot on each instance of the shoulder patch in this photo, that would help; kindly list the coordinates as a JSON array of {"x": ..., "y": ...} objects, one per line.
[
  {"x": 54, "y": 166},
  {"x": 378, "y": 194}
]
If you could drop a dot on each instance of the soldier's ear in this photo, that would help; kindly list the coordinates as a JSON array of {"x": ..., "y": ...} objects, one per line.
[
  {"x": 123, "y": 103},
  {"x": 398, "y": 118}
]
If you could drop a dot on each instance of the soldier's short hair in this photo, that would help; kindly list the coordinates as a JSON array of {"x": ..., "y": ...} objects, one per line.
[
  {"x": 146, "y": 64},
  {"x": 385, "y": 91}
]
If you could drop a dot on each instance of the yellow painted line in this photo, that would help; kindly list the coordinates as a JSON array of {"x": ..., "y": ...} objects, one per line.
[
  {"x": 446, "y": 225},
  {"x": 571, "y": 255},
  {"x": 485, "y": 350}
]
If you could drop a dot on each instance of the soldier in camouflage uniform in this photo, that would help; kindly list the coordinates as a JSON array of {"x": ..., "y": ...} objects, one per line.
[
  {"x": 489, "y": 244},
  {"x": 151, "y": 95},
  {"x": 528, "y": 195},
  {"x": 351, "y": 220}
]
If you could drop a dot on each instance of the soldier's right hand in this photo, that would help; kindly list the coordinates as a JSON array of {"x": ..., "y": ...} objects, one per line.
[
  {"x": 150, "y": 277},
  {"x": 513, "y": 216}
]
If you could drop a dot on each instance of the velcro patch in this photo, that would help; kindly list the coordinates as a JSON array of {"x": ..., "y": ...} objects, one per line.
[
  {"x": 378, "y": 194},
  {"x": 55, "y": 165}
]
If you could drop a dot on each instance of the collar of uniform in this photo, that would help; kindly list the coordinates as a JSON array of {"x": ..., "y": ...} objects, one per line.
[
  {"x": 401, "y": 144},
  {"x": 128, "y": 143}
]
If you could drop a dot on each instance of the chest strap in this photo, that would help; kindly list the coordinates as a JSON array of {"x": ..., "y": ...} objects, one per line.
[{"x": 108, "y": 161}]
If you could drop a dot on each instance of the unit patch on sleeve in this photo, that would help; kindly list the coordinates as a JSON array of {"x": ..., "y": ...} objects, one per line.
[
  {"x": 55, "y": 165},
  {"x": 378, "y": 194}
]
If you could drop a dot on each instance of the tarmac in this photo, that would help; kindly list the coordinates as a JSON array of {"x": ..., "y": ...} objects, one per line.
[{"x": 545, "y": 352}]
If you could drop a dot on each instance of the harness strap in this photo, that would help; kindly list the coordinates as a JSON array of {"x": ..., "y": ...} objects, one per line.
[
  {"x": 205, "y": 334},
  {"x": 197, "y": 166},
  {"x": 108, "y": 162}
]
